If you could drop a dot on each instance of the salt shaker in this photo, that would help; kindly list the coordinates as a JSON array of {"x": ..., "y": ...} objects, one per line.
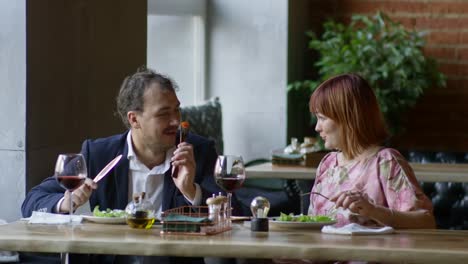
[{"x": 216, "y": 209}]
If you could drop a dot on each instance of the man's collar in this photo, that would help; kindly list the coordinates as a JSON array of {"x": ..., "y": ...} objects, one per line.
[
  {"x": 131, "y": 153},
  {"x": 132, "y": 157}
]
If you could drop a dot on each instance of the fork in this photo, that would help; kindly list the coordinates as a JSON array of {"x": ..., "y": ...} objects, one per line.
[{"x": 317, "y": 193}]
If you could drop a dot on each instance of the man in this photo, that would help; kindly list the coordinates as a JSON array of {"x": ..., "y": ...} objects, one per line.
[{"x": 148, "y": 106}]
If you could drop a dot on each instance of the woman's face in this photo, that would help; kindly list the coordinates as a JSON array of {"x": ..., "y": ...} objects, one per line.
[{"x": 329, "y": 131}]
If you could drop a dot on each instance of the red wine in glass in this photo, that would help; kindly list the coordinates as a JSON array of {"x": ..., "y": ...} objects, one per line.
[
  {"x": 231, "y": 182},
  {"x": 70, "y": 182},
  {"x": 70, "y": 173},
  {"x": 229, "y": 174}
]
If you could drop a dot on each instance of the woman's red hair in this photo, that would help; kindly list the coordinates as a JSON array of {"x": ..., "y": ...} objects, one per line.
[{"x": 349, "y": 100}]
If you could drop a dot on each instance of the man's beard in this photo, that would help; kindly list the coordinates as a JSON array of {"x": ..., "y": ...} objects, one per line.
[{"x": 161, "y": 147}]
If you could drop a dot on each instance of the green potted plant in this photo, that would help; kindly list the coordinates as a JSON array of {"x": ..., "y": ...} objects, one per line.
[{"x": 389, "y": 56}]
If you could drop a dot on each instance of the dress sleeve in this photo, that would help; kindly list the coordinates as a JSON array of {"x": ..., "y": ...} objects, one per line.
[
  {"x": 399, "y": 184},
  {"x": 314, "y": 207},
  {"x": 321, "y": 169}
]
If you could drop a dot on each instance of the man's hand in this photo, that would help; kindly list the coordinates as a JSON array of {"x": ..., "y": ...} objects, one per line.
[
  {"x": 80, "y": 196},
  {"x": 184, "y": 159}
]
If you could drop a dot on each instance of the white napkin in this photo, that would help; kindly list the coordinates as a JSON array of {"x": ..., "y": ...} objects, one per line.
[
  {"x": 48, "y": 218},
  {"x": 357, "y": 229},
  {"x": 8, "y": 256}
]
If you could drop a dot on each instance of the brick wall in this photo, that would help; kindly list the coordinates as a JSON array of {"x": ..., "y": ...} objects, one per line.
[{"x": 440, "y": 119}]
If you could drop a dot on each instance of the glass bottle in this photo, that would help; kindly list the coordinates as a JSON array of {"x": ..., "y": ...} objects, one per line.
[{"x": 140, "y": 213}]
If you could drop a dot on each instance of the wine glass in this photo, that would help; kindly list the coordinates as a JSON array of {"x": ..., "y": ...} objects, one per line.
[
  {"x": 70, "y": 173},
  {"x": 229, "y": 174}
]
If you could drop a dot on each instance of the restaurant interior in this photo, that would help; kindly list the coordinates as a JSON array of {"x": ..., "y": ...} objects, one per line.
[{"x": 245, "y": 64}]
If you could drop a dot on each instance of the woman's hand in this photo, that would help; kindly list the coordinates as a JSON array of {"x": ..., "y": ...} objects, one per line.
[
  {"x": 355, "y": 201},
  {"x": 360, "y": 203}
]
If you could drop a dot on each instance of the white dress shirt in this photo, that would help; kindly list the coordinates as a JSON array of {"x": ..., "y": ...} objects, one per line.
[{"x": 142, "y": 179}]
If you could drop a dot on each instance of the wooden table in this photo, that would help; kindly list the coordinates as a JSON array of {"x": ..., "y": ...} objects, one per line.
[
  {"x": 411, "y": 246},
  {"x": 429, "y": 172}
]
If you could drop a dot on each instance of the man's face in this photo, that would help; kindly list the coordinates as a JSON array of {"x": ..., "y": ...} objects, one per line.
[{"x": 157, "y": 124}]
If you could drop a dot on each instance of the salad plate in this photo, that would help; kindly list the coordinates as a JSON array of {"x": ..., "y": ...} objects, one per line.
[
  {"x": 107, "y": 216},
  {"x": 104, "y": 220},
  {"x": 302, "y": 225},
  {"x": 301, "y": 221}
]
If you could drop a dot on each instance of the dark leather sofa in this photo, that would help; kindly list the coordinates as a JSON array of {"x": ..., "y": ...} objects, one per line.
[
  {"x": 450, "y": 202},
  {"x": 449, "y": 199},
  {"x": 206, "y": 120}
]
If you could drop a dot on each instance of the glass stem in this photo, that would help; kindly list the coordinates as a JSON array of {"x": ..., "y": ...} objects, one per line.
[
  {"x": 64, "y": 258},
  {"x": 229, "y": 209},
  {"x": 71, "y": 206}
]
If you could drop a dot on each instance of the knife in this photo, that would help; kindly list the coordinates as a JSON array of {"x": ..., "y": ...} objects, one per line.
[{"x": 107, "y": 168}]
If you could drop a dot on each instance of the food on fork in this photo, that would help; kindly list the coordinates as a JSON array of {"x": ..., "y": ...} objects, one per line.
[{"x": 184, "y": 127}]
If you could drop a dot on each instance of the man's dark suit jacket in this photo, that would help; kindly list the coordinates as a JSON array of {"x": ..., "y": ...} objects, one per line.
[{"x": 113, "y": 189}]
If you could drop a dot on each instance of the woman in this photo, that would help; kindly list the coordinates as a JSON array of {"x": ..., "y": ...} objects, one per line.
[{"x": 366, "y": 183}]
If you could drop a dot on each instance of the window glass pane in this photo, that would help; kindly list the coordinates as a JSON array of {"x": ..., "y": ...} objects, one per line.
[{"x": 172, "y": 50}]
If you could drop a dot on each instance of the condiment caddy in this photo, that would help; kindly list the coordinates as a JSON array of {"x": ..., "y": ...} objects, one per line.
[{"x": 198, "y": 220}]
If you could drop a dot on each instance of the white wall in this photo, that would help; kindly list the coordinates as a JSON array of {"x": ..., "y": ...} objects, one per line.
[
  {"x": 247, "y": 69},
  {"x": 176, "y": 45},
  {"x": 173, "y": 54},
  {"x": 12, "y": 107}
]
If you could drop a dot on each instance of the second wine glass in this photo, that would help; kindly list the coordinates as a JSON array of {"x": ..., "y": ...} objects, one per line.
[
  {"x": 70, "y": 173},
  {"x": 229, "y": 174}
]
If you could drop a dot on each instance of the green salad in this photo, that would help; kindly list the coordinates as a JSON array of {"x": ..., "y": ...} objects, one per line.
[
  {"x": 108, "y": 212},
  {"x": 304, "y": 218}
]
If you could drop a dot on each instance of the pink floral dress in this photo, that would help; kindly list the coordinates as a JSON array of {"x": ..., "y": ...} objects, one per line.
[{"x": 385, "y": 177}]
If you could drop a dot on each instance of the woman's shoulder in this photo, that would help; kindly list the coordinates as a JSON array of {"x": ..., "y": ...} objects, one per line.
[
  {"x": 330, "y": 156},
  {"x": 394, "y": 158},
  {"x": 329, "y": 160},
  {"x": 389, "y": 154}
]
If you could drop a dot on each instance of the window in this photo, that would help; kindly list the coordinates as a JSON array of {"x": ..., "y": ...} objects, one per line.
[{"x": 176, "y": 44}]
